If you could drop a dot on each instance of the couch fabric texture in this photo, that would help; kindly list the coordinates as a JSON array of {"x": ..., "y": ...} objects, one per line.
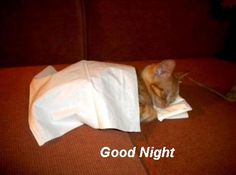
[
  {"x": 34, "y": 34},
  {"x": 56, "y": 32},
  {"x": 204, "y": 143}
]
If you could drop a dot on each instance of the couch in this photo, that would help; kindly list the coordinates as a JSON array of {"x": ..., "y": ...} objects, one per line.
[{"x": 137, "y": 33}]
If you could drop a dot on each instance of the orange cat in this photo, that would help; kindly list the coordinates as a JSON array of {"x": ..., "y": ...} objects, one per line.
[{"x": 157, "y": 86}]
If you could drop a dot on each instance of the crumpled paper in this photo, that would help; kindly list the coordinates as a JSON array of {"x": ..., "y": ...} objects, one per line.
[
  {"x": 100, "y": 95},
  {"x": 176, "y": 110}
]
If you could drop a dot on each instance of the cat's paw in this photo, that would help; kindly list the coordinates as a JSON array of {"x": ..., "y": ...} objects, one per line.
[
  {"x": 158, "y": 102},
  {"x": 148, "y": 113}
]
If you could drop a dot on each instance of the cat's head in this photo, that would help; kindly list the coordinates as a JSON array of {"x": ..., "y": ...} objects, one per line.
[{"x": 166, "y": 84}]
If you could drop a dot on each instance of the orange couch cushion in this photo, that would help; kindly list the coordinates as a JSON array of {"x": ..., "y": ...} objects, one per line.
[{"x": 204, "y": 143}]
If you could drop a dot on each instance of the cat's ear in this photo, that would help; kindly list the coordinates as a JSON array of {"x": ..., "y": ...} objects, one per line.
[{"x": 165, "y": 69}]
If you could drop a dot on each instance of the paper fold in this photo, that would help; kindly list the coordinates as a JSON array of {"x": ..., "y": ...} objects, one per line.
[{"x": 177, "y": 110}]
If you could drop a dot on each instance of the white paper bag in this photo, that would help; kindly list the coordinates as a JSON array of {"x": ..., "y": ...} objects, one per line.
[{"x": 101, "y": 95}]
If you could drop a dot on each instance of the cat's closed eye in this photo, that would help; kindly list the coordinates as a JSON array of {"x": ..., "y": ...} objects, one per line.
[{"x": 157, "y": 91}]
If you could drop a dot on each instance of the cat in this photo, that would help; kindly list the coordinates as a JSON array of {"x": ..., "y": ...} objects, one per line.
[{"x": 157, "y": 86}]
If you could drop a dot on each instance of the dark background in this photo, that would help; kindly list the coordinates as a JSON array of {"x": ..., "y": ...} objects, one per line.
[{"x": 57, "y": 31}]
